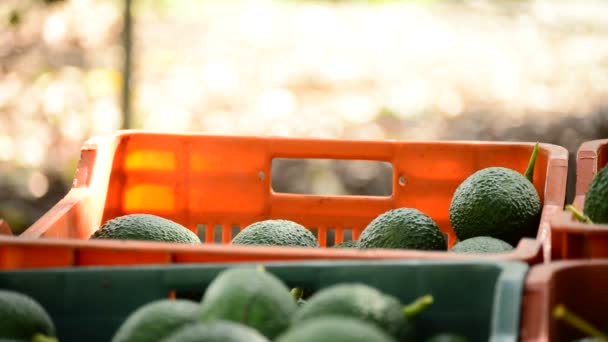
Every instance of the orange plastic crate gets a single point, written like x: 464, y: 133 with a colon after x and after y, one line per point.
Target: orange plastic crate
x: 573, y: 239
x: 226, y: 180
x: 580, y: 285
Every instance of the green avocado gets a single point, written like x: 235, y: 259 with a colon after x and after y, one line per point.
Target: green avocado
x: 497, y: 202
x: 157, y: 319
x: 481, y: 244
x: 145, y: 227
x: 596, y: 198
x: 364, y: 302
x: 405, y: 228
x: 335, y: 329
x: 251, y: 297
x: 22, y: 317
x: 276, y: 233
x: 216, y: 331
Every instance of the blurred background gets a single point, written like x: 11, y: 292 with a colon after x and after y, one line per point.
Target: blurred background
x: 413, y: 70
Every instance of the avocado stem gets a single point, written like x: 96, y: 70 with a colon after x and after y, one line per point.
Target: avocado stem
x: 530, y: 170
x: 297, y: 293
x: 43, y: 338
x: 417, y: 307
x: 578, y: 214
x: 560, y: 312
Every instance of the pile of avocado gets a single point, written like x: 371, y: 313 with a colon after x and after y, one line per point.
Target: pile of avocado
x: 245, y: 304
x: 490, y: 212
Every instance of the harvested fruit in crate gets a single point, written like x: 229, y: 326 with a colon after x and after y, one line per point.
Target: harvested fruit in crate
x: 216, y: 331
x: 479, y: 300
x: 347, y: 244
x: 481, y: 244
x: 497, y: 202
x: 490, y: 211
x: 145, y: 227
x: 335, y: 329
x: 156, y: 320
x: 406, y: 228
x: 403, y: 228
x: 276, y: 233
x: 366, y: 303
x: 259, y: 305
x: 253, y: 297
x: 24, y: 319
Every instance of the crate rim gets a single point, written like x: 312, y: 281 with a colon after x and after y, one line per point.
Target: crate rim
x: 555, y: 149
x: 503, y: 264
x: 528, y: 250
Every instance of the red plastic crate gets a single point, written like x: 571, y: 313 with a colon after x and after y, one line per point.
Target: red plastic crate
x: 226, y: 180
x: 572, y: 239
x: 580, y: 285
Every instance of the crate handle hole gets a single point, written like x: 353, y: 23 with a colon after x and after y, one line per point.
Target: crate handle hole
x: 326, y: 176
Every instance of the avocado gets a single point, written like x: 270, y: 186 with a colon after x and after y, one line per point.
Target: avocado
x: 366, y: 303
x: 405, y: 228
x: 22, y: 317
x: 347, y: 244
x: 145, y: 227
x: 596, y: 198
x: 157, y: 319
x: 481, y: 244
x: 215, y: 331
x: 276, y: 233
x: 497, y: 202
x: 252, y: 297
x: 447, y: 337
x: 335, y: 329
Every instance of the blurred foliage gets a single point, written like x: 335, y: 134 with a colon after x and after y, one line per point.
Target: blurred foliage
x: 59, y: 80
x: 17, y: 10
x: 416, y: 70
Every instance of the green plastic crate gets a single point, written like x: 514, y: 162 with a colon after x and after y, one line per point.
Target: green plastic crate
x: 481, y: 300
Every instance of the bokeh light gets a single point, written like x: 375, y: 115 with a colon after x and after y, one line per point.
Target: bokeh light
x: 416, y: 70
